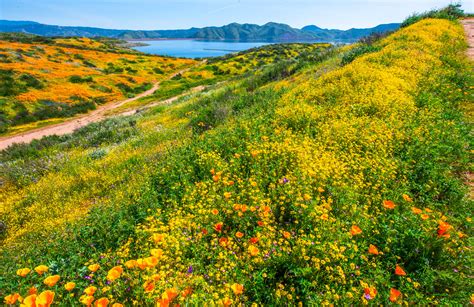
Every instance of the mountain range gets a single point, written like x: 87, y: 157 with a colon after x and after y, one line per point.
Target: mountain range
x: 239, y: 32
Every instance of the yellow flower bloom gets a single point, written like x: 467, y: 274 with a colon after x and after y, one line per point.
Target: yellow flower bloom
x: 115, y: 272
x: 41, y: 269
x: 93, y: 267
x: 69, y: 286
x: 90, y: 290
x: 51, y: 280
x: 23, y: 272
x: 45, y: 299
x: 102, y: 302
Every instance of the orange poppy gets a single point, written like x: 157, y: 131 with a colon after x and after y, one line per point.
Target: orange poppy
x: 218, y: 227
x: 389, y: 204
x: 30, y: 300
x: 226, y: 302
x: 237, y: 288
x: 443, y: 229
x: 394, y: 295
x: 223, y: 242
x: 41, y: 269
x: 32, y: 290
x: 158, y: 237
x: 23, y: 272
x: 149, y: 286
x: 150, y: 261
x: 253, y: 240
x: 115, y: 272
x: 51, y: 280
x: 130, y: 264
x: 102, y: 302
x: 45, y: 299
x: 399, y: 271
x: 215, y: 211
x: 69, y: 286
x: 253, y: 250
x: 90, y: 290
x: 239, y: 235
x: 87, y: 300
x: 227, y: 195
x: 370, y: 293
x: 93, y: 267
x: 260, y: 223
x: 215, y: 178
x: 11, y: 299
x: 373, y: 250
x: 425, y: 216
x: 416, y: 210
x: 355, y: 230
x: 407, y: 198
x: 286, y: 234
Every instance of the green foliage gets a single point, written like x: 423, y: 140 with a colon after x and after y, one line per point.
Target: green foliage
x: 79, y: 79
x: 451, y: 12
x: 358, y: 51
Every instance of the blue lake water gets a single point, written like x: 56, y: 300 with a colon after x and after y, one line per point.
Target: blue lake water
x: 194, y: 48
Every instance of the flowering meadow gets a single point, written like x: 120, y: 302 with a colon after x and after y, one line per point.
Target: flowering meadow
x: 70, y: 76
x: 340, y: 183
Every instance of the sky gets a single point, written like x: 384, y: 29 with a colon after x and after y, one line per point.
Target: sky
x: 183, y: 14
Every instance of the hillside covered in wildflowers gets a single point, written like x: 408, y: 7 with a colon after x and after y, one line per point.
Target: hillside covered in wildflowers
x: 336, y: 178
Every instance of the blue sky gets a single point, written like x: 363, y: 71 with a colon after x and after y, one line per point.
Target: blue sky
x: 177, y: 14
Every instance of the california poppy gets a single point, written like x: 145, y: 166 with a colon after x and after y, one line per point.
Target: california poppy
x: 407, y: 198
x: 93, y: 267
x: 373, y: 250
x: 399, y: 271
x: 237, y: 288
x: 239, y: 235
x: 11, y: 298
x: 23, y: 272
x: 115, y: 272
x: 215, y: 211
x: 90, y: 290
x: 389, y: 204
x: 41, y: 269
x: 286, y: 234
x: 51, y: 280
x: 218, y: 227
x: 394, y: 295
x: 253, y: 240
x: 355, y: 230
x: 149, y: 286
x: 443, y: 228
x: 223, y: 242
x: 416, y: 210
x: 69, y: 286
x: 102, y: 302
x: 253, y: 250
x: 45, y: 299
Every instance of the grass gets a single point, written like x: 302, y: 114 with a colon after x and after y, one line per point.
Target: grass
x: 311, y: 182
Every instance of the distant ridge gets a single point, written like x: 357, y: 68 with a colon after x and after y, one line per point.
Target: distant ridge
x: 240, y: 32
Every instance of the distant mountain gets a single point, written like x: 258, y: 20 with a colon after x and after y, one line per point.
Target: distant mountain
x: 242, y: 32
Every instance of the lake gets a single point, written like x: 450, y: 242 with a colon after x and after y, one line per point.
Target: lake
x: 186, y: 48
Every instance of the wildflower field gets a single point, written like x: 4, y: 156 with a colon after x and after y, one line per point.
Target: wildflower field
x: 337, y: 181
x: 61, y: 77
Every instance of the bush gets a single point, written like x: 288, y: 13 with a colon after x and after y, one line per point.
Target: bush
x: 357, y: 52
x: 451, y: 12
x: 79, y: 79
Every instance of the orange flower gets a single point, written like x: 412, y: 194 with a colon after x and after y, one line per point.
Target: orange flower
x: 227, y: 195
x: 239, y: 235
x: 149, y: 286
x: 150, y: 262
x: 355, y: 230
x: 51, y: 280
x: 218, y: 227
x: 215, y: 178
x: 425, y: 216
x: 45, y: 299
x: 11, y: 299
x: 286, y: 234
x: 115, y: 272
x: 23, y: 272
x: 93, y: 267
x: 102, y: 302
x: 69, y: 286
x: 30, y: 300
x: 237, y: 288
x: 41, y: 269
x: 157, y: 252
x: 253, y: 240
x: 142, y: 264
x: 373, y: 250
x: 158, y: 237
x: 226, y: 302
x: 86, y: 300
x: 407, y: 198
x: 186, y: 292
x: 32, y: 290
x: 117, y: 305
x: 399, y: 271
x: 215, y: 211
x: 223, y: 242
x: 324, y: 217
x: 443, y: 229
x: 130, y: 264
x: 415, y: 210
x: 389, y: 204
x: 253, y: 250
x: 370, y: 293
x: 90, y: 290
x: 260, y: 223
x: 394, y: 295
x: 168, y: 296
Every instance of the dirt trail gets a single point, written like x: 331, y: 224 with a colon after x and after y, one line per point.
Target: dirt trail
x: 469, y: 29
x: 85, y: 119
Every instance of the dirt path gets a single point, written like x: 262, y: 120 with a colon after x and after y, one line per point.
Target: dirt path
x: 85, y: 119
x: 469, y: 29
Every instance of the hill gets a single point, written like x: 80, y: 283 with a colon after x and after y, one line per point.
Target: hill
x: 46, y: 80
x: 330, y: 178
x: 244, y: 32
